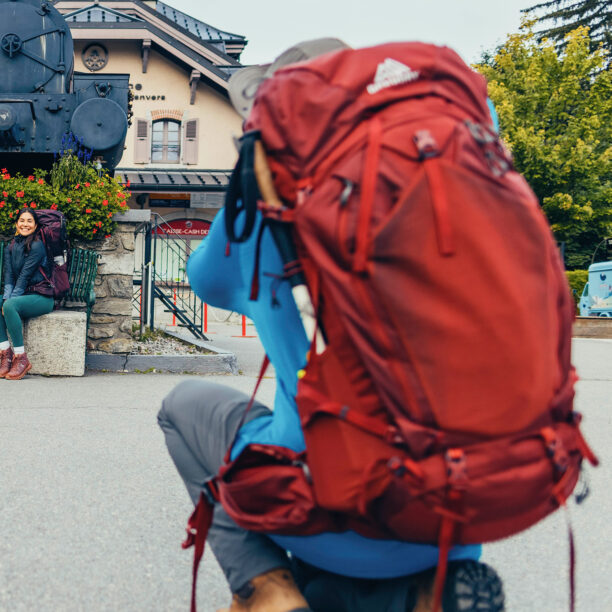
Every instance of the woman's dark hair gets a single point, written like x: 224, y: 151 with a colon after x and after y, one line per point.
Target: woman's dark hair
x: 34, y: 235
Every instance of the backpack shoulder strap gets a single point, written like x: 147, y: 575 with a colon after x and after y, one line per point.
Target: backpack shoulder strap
x: 243, y: 192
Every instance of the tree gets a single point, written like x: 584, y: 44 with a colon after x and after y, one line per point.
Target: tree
x: 567, y: 15
x: 555, y: 114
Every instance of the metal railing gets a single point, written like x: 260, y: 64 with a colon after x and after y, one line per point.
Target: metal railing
x: 163, y: 278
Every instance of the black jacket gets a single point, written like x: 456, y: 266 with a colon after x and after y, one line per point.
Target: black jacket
x: 21, y: 269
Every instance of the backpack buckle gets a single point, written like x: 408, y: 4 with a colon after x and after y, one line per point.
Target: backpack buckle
x: 555, y: 449
x: 480, y: 133
x: 426, y: 144
x: 456, y: 468
x: 211, y: 491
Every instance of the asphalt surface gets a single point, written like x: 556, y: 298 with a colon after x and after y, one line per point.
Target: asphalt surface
x: 92, y: 512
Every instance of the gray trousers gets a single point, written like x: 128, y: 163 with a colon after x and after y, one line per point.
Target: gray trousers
x: 199, y: 419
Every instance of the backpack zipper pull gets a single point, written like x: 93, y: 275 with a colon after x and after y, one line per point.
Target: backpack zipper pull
x: 346, y: 192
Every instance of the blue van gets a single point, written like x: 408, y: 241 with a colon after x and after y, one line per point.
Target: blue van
x: 596, y: 299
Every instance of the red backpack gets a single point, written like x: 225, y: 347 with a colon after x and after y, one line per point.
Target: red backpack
x: 440, y: 409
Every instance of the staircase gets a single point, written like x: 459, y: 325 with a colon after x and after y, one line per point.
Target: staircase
x: 164, y: 278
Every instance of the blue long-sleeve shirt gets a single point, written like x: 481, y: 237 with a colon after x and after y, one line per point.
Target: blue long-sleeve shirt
x: 225, y: 281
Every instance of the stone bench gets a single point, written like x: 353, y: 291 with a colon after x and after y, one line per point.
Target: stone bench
x: 55, y: 343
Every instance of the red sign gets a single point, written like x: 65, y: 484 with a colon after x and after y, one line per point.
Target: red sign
x: 185, y: 227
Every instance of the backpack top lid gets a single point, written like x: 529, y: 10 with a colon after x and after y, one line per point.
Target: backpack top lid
x: 304, y: 110
x: 53, y: 231
x: 47, y: 216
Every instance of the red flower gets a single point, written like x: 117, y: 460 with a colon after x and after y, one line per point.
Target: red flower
x: 19, y: 194
x: 6, y: 176
x: 68, y: 199
x: 77, y: 185
x: 30, y: 178
x: 104, y: 202
x: 107, y: 236
x: 41, y: 182
x: 95, y: 229
x: 128, y: 183
x: 5, y: 194
x: 120, y: 196
x: 87, y: 184
x: 4, y: 170
x: 109, y: 215
x: 122, y: 204
x: 54, y: 206
x: 99, y: 223
x: 88, y: 210
x: 11, y: 215
x: 32, y: 204
x: 2, y: 204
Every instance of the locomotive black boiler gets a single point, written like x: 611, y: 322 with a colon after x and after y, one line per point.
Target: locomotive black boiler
x: 42, y: 99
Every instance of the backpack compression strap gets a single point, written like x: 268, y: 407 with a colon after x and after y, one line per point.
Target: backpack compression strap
x: 243, y: 192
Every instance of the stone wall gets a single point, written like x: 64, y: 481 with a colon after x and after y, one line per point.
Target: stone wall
x: 110, y: 327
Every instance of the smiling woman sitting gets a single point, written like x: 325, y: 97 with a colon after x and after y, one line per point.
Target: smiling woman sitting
x: 25, y: 260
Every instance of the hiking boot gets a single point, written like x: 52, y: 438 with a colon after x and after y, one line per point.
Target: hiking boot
x: 6, y: 359
x: 470, y: 586
x: 21, y: 366
x: 274, y: 591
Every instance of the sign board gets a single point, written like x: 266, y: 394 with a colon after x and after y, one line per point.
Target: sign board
x: 207, y: 200
x: 169, y: 200
x: 187, y: 200
x: 193, y: 228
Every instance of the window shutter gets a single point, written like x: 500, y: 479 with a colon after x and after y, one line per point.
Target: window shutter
x: 190, y: 144
x: 142, y: 142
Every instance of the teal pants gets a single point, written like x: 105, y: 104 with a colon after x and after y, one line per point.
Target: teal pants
x: 15, y: 310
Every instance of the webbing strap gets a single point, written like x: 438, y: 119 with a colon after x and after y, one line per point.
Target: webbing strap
x: 445, y: 537
x: 444, y: 231
x: 197, y: 531
x: 572, y: 559
x: 264, y: 366
x: 558, y: 457
x: 370, y: 174
x: 572, y: 552
x: 242, y: 192
x: 372, y: 425
x: 254, y: 294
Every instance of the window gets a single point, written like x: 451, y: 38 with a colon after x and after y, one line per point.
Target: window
x: 166, y: 141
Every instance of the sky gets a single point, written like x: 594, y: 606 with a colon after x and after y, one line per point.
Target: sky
x: 271, y: 26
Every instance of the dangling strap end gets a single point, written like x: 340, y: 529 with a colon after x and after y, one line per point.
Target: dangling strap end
x: 197, y: 531
x: 444, y: 544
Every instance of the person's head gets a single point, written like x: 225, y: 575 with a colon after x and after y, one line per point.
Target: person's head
x: 27, y: 225
x: 244, y: 83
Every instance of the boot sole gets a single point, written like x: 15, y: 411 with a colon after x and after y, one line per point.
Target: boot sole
x: 28, y: 368
x: 473, y: 587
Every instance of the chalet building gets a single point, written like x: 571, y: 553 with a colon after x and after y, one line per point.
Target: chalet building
x: 179, y: 149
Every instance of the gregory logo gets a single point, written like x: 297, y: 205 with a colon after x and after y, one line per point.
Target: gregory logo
x: 391, y: 72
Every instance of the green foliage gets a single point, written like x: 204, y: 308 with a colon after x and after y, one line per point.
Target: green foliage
x: 555, y: 115
x: 89, y: 201
x: 577, y: 280
x: 563, y: 16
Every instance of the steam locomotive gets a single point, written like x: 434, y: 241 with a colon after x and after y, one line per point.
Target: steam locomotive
x: 42, y: 99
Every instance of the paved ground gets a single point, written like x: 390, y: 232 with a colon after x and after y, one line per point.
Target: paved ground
x: 92, y: 511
